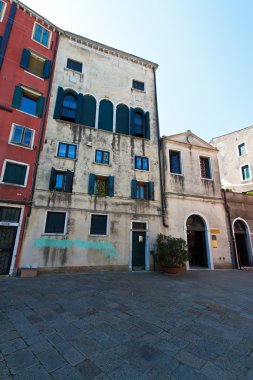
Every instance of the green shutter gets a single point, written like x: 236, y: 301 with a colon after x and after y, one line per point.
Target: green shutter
x: 111, y: 186
x: 58, y: 104
x: 122, y: 119
x: 69, y: 182
x: 25, y: 59
x: 133, y: 188
x: 132, y: 116
x: 79, y: 110
x: 40, y: 104
x: 1, y: 39
x: 147, y: 126
x: 151, y: 191
x: 17, y: 97
x: 89, y: 111
x: 91, y: 183
x: 105, y: 115
x: 46, y: 69
x: 52, y: 180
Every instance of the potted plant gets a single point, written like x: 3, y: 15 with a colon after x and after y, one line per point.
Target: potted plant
x: 171, y: 253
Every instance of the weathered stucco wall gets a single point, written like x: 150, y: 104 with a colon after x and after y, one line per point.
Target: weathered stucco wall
x: 110, y: 77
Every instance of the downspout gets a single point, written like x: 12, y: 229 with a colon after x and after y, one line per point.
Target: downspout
x: 232, y: 239
x: 43, y: 125
x: 163, y: 200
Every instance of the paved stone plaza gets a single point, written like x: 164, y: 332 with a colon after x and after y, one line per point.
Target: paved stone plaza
x: 198, y: 325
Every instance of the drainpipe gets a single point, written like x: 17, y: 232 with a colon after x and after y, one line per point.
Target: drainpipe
x: 163, y: 200
x: 232, y: 238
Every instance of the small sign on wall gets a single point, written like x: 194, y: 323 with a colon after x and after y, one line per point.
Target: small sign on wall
x: 214, y: 241
x: 215, y: 231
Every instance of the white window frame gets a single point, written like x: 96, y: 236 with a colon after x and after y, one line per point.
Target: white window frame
x: 181, y: 162
x: 68, y: 143
x: 101, y: 163
x: 107, y: 224
x: 250, y: 175
x: 75, y: 71
x: 65, y: 224
x: 49, y: 39
x: 246, y: 152
x: 18, y: 163
x: 137, y: 89
x: 20, y: 145
x: 210, y: 168
x: 4, y: 9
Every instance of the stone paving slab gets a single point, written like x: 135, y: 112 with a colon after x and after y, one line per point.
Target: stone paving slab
x: 104, y: 326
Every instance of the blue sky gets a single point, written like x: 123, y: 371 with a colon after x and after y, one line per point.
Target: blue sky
x: 203, y: 48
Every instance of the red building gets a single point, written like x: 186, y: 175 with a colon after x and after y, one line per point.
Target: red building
x: 28, y: 46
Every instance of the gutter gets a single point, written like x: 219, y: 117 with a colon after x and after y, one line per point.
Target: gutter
x: 234, y: 255
x: 163, y: 200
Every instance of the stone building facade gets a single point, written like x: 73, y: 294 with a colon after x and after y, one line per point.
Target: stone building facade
x: 97, y: 200
x: 194, y: 203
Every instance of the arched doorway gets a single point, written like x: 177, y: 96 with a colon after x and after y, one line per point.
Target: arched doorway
x: 196, y: 240
x: 242, y: 244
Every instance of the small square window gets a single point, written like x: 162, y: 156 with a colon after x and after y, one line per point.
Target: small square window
x: 41, y: 35
x: 2, y: 9
x: 21, y: 136
x: 98, y: 225
x: 61, y: 180
x: 138, y: 85
x: 242, y: 149
x: 175, y: 162
x: 74, y: 65
x: 15, y: 173
x: 66, y: 150
x: 102, y: 157
x: 205, y: 167
x: 245, y: 172
x: 141, y: 163
x: 55, y: 223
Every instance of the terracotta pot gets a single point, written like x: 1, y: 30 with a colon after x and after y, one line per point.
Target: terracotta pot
x: 173, y: 270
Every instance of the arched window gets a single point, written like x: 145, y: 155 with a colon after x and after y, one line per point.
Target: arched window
x: 69, y: 107
x: 105, y: 117
x: 122, y: 119
x: 139, y: 124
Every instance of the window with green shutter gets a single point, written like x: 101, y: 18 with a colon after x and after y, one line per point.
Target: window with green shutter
x: 61, y: 181
x: 35, y: 64
x: 101, y: 185
x: 55, y: 223
x: 28, y: 101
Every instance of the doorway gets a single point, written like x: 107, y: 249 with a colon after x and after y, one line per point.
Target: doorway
x: 242, y: 244
x: 196, y: 240
x: 7, y: 242
x: 139, y: 240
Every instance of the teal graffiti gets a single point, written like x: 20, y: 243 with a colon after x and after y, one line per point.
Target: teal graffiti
x: 107, y: 249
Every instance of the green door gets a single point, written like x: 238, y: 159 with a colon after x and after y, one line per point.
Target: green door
x: 138, y: 250
x: 7, y: 241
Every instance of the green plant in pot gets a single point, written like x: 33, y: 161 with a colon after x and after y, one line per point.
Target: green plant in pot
x: 171, y: 252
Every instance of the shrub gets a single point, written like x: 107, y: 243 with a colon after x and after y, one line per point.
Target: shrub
x: 171, y: 251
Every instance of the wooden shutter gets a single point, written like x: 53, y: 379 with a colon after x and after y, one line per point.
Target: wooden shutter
x: 122, y: 119
x: 79, y: 109
x: 46, y: 69
x: 105, y: 115
x: 132, y: 117
x: 25, y: 59
x: 40, y: 104
x: 69, y: 182
x: 89, y: 111
x: 111, y: 186
x: 52, y: 180
x: 91, y: 183
x: 58, y: 104
x: 151, y: 191
x: 16, y: 100
x: 147, y: 126
x: 133, y: 189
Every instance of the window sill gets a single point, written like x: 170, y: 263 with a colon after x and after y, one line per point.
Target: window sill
x: 136, y: 89
x: 53, y: 234
x: 66, y: 158
x: 101, y: 163
x: 177, y: 174
x: 12, y: 184
x: 21, y: 146
x: 142, y: 170
x: 45, y: 46
x: 98, y: 235
x: 34, y: 75
x: 26, y: 113
x: 207, y: 179
x: 74, y: 71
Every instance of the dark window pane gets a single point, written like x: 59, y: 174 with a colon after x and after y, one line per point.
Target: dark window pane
x: 145, y: 163
x: 55, y: 222
x: 138, y: 85
x: 242, y: 149
x: 106, y: 158
x: 77, y: 66
x: 69, y: 101
x: 17, y: 135
x: 245, y: 172
x: 175, y: 164
x: 139, y: 226
x: 9, y: 214
x: 15, y: 173
x: 62, y: 150
x: 102, y: 157
x: 98, y: 225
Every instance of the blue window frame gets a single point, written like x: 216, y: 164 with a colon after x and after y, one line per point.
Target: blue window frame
x: 102, y: 157
x: 141, y: 163
x: 245, y: 172
x: 22, y: 136
x: 41, y: 35
x: 66, y: 150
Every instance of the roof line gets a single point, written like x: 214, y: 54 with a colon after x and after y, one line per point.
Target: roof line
x: 230, y: 133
